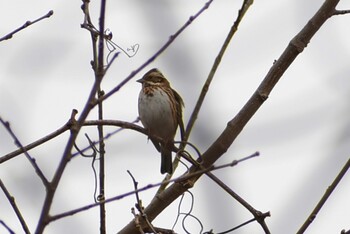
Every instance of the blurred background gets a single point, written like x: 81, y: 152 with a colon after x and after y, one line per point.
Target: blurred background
x: 302, y: 131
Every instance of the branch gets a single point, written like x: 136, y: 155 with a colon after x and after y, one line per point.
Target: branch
x: 147, y: 187
x: 244, y: 8
x: 35, y: 143
x: 236, y: 125
x: 139, y: 204
x: 99, y: 74
x: 341, y: 12
x: 30, y: 158
x: 324, y: 198
x: 66, y: 127
x: 77, y: 125
x: 161, y: 50
x: 25, y: 25
x: 11, y: 199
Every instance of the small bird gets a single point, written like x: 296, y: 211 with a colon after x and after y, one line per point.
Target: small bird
x: 160, y: 111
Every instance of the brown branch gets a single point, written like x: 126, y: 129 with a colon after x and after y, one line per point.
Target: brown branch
x: 139, y: 205
x: 236, y: 125
x: 67, y: 126
x: 25, y: 25
x: 99, y: 74
x: 35, y: 143
x: 147, y: 187
x: 244, y: 8
x: 324, y: 198
x: 341, y: 12
x: 12, y: 201
x: 30, y: 158
x: 151, y: 59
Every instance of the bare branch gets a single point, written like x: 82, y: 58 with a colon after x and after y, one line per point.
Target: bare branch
x: 25, y: 25
x: 180, y: 179
x: 244, y: 8
x: 236, y: 125
x: 161, y: 50
x: 12, y: 201
x: 139, y: 204
x: 30, y: 158
x: 7, y: 227
x: 67, y: 126
x: 324, y: 198
x: 35, y: 143
x: 341, y: 12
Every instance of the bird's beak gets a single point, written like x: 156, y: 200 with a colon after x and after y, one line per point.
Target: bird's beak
x: 140, y: 81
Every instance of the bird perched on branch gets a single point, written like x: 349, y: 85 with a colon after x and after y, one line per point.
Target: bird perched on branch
x: 160, y: 111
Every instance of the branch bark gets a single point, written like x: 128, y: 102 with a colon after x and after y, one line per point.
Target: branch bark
x: 236, y: 125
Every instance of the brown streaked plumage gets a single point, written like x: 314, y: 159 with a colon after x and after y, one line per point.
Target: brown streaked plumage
x: 160, y: 111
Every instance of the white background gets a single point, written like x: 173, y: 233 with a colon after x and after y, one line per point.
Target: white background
x: 302, y: 131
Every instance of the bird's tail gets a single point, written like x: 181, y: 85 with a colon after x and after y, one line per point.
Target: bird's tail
x: 166, y: 165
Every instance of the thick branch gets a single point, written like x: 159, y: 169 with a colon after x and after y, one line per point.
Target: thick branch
x: 236, y: 125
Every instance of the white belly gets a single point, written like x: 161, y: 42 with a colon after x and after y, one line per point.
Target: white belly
x: 156, y: 115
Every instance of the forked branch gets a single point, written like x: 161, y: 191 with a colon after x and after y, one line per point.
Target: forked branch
x: 236, y: 125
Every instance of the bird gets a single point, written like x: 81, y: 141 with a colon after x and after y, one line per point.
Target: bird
x: 160, y: 111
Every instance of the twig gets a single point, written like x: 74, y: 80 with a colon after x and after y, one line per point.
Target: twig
x: 324, y: 198
x: 122, y: 124
x: 147, y: 187
x: 35, y: 143
x: 244, y: 8
x: 11, y: 199
x: 139, y: 204
x: 25, y: 25
x: 30, y: 158
x: 151, y: 59
x: 245, y: 223
x: 76, y: 127
x: 341, y: 12
x: 258, y: 215
x: 7, y: 227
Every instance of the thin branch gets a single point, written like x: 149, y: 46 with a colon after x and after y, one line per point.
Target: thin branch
x: 151, y: 59
x: 25, y: 25
x: 139, y: 204
x: 67, y: 126
x: 7, y: 227
x: 30, y: 158
x: 258, y: 215
x: 99, y: 74
x: 244, y: 8
x: 76, y: 127
x: 180, y: 179
x: 245, y: 223
x: 36, y: 143
x: 12, y: 201
x: 324, y: 198
x: 341, y: 12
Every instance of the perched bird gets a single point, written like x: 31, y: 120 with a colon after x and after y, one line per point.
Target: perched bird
x: 160, y: 111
